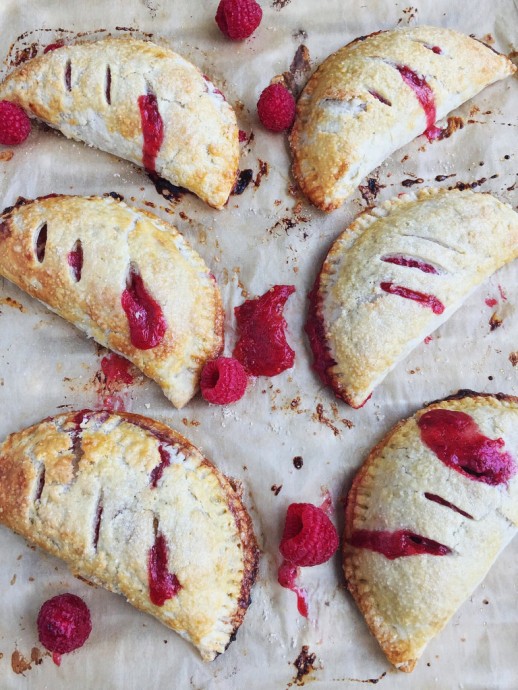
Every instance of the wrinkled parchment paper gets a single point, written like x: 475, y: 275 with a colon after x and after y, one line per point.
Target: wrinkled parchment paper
x: 266, y: 236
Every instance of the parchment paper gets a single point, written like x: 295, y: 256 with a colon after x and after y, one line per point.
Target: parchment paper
x: 264, y: 237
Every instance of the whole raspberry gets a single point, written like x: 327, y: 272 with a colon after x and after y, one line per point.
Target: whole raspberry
x: 15, y: 126
x: 238, y: 19
x: 64, y: 623
x: 276, y: 108
x: 223, y: 381
x: 309, y: 536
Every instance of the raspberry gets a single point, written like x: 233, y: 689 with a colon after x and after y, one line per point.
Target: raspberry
x: 276, y: 108
x: 238, y: 19
x: 15, y: 126
x: 64, y: 623
x: 223, y: 381
x: 309, y: 536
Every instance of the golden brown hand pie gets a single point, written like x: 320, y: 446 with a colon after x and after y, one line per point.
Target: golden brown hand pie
x: 375, y: 95
x: 124, y: 277
x: 395, y: 275
x: 139, y: 101
x: 131, y: 505
x: 427, y: 515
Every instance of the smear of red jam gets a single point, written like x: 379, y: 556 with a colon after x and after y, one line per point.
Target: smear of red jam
x: 428, y: 339
x: 47, y: 49
x: 425, y: 300
x: 491, y: 302
x: 145, y: 317
x: 287, y: 577
x: 243, y: 136
x: 426, y: 98
x: 75, y: 260
x: 456, y: 440
x: 163, y: 585
x: 262, y: 348
x: 443, y: 502
x: 116, y: 369
x: 397, y: 544
x: 158, y: 471
x: 437, y: 50
x: 152, y: 130
x: 411, y: 263
x: 314, y: 327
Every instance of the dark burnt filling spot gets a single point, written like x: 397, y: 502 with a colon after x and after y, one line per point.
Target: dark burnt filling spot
x: 68, y: 76
x: 165, y: 188
x: 108, y: 85
x: 114, y: 195
x: 5, y: 230
x: 41, y: 484
x: 97, y: 521
x: 243, y: 180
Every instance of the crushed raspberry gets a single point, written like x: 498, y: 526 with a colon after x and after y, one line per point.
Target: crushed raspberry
x: 223, y: 381
x: 15, y: 126
x: 276, y: 108
x: 309, y: 536
x: 238, y: 19
x: 262, y: 348
x: 64, y: 623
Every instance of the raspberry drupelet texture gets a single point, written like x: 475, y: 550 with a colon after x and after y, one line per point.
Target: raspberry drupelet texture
x: 309, y: 536
x: 238, y: 19
x: 276, y: 108
x: 15, y: 126
x: 64, y: 623
x: 223, y: 381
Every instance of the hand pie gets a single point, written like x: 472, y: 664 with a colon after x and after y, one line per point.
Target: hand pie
x: 427, y: 515
x: 139, y: 101
x: 375, y: 95
x: 395, y: 275
x: 131, y: 505
x: 125, y: 277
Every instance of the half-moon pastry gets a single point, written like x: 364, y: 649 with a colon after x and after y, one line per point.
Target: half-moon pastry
x: 395, y: 275
x: 427, y: 515
x: 131, y: 505
x: 124, y: 277
x: 139, y: 101
x: 375, y: 95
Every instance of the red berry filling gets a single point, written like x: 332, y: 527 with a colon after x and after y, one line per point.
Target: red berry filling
x: 262, y: 348
x: 116, y: 369
x: 158, y: 471
x: 443, y: 502
x: 426, y: 98
x: 397, y: 544
x: 276, y: 108
x: 152, y: 130
x: 411, y: 263
x: 425, y: 300
x: 322, y: 360
x: 75, y: 260
x: 238, y: 19
x: 309, y: 536
x: 287, y: 577
x: 456, y: 440
x: 146, y: 320
x: 64, y: 623
x: 163, y: 585
x: 223, y: 381
x: 15, y: 126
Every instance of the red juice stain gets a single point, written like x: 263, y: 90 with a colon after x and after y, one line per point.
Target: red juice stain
x: 145, y: 317
x: 410, y: 263
x: 56, y: 658
x: 163, y: 585
x: 425, y: 300
x: 152, y: 130
x: 502, y: 293
x: 75, y: 260
x: 491, y: 302
x: 456, y: 440
x: 426, y: 98
x: 116, y: 369
x: 158, y: 471
x: 243, y: 136
x: 428, y: 339
x: 397, y: 544
x: 287, y: 577
x: 314, y: 327
x: 262, y: 348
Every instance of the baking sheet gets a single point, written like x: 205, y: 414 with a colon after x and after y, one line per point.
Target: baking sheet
x: 266, y: 236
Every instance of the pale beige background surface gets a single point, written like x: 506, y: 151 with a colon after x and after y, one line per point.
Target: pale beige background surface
x: 252, y: 244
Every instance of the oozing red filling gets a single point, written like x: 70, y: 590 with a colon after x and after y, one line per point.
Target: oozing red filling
x: 262, y: 348
x: 314, y: 327
x: 425, y: 96
x: 158, y: 471
x: 116, y: 369
x: 145, y: 317
x: 426, y: 300
x: 163, y: 585
x: 411, y: 263
x: 75, y: 260
x: 397, y: 544
x: 456, y: 440
x: 152, y: 130
x: 287, y: 577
